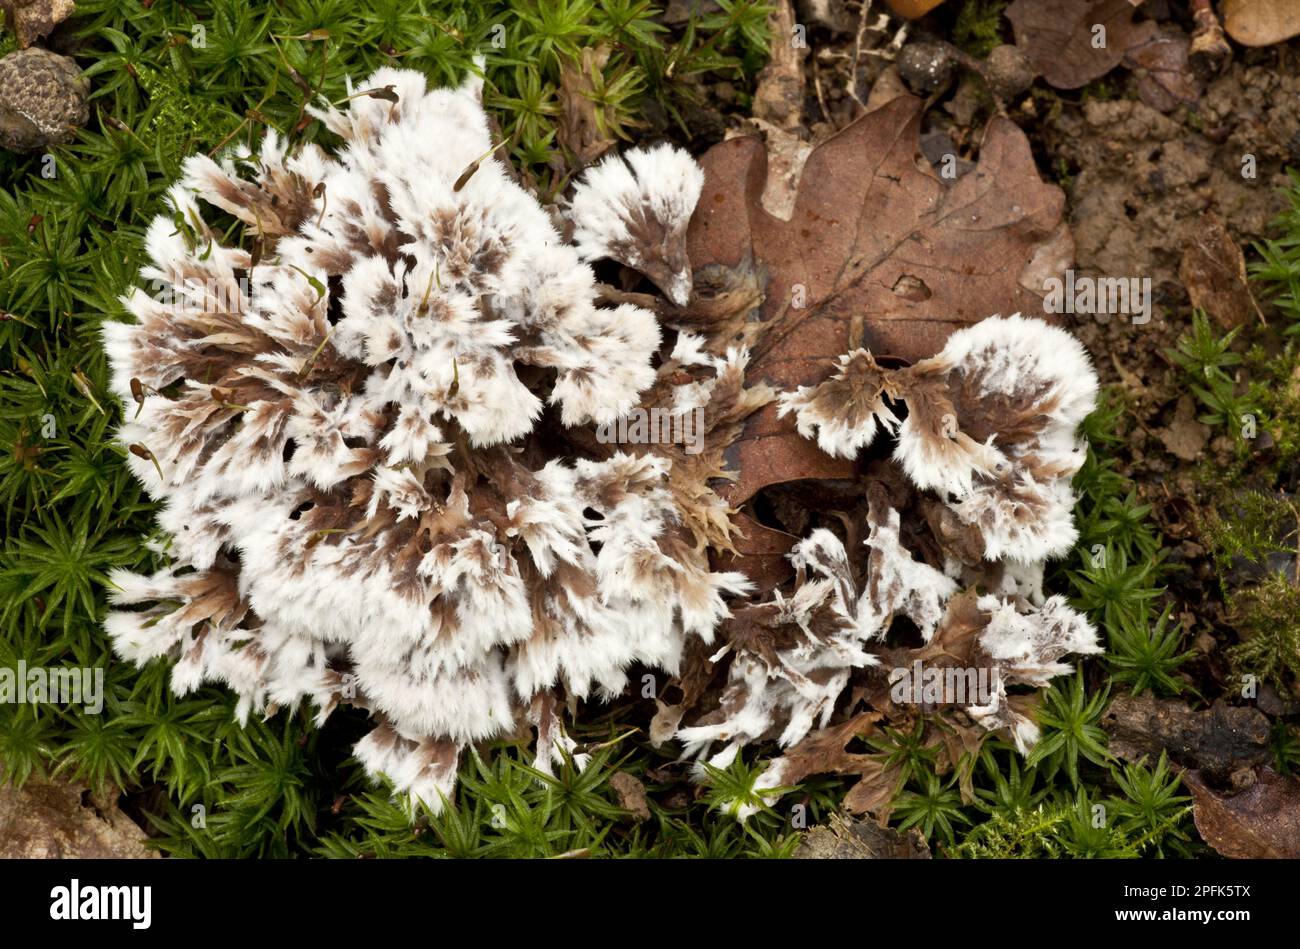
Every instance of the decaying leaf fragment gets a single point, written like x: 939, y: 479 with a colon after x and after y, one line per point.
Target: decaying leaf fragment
x: 1259, y: 823
x: 1213, y: 269
x: 879, y: 252
x: 1261, y: 22
x: 1160, y: 59
x: 1072, y: 42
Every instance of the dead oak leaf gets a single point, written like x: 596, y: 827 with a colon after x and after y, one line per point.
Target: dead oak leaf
x: 583, y: 129
x: 826, y: 752
x: 760, y: 553
x: 878, y: 251
x: 1213, y: 269
x: 1070, y: 42
x: 1261, y: 22
x: 1261, y: 822
x: 1160, y: 59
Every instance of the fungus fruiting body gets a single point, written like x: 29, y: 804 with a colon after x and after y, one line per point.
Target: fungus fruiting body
x: 377, y: 427
x: 985, y: 439
x: 355, y: 425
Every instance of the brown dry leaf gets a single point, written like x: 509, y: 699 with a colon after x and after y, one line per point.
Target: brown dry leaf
x: 1184, y: 436
x: 1214, y: 271
x: 1058, y: 36
x: 879, y: 251
x: 760, y: 553
x: 631, y: 795
x: 959, y: 745
x: 843, y: 839
x: 31, y: 20
x: 825, y: 752
x: 578, y: 130
x: 58, y: 820
x: 1225, y: 742
x: 1261, y: 22
x: 1259, y: 823
x: 1159, y: 60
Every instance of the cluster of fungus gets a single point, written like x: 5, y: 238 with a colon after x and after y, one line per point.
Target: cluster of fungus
x: 984, y: 458
x: 373, y: 429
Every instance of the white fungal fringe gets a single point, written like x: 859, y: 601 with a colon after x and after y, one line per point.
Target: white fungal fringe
x: 339, y: 428
x: 989, y: 435
x: 635, y: 209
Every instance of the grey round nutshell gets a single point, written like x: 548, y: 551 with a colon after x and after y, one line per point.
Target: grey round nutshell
x: 1008, y: 71
x: 42, y: 100
x: 925, y: 67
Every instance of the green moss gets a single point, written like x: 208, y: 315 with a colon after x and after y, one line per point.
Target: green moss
x: 1021, y: 834
x: 1248, y: 525
x: 1267, y: 618
x: 1101, y: 90
x: 978, y: 27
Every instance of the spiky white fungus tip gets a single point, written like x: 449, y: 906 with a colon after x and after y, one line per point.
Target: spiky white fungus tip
x: 635, y: 209
x: 990, y: 427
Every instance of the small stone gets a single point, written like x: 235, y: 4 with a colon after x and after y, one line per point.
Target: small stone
x: 32, y: 20
x: 43, y: 100
x: 925, y: 67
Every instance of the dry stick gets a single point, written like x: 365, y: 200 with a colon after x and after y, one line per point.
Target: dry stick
x: 821, y: 98
x: 857, y: 52
x: 608, y: 294
x: 301, y: 83
x: 1209, y: 49
x: 256, y: 110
